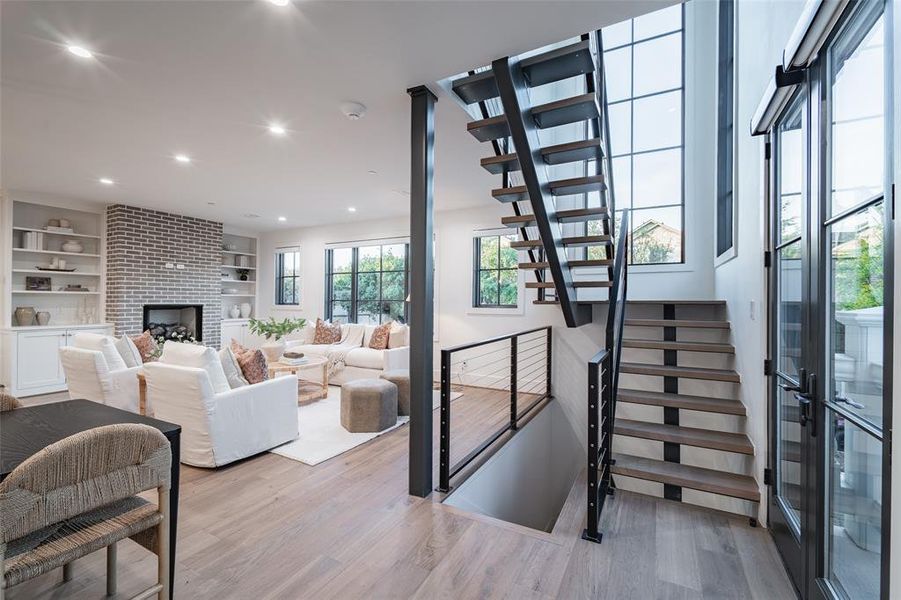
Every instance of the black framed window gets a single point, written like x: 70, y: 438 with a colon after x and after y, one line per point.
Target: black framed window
x: 367, y: 284
x: 287, y: 276
x: 643, y: 62
x: 725, y: 142
x: 495, y: 272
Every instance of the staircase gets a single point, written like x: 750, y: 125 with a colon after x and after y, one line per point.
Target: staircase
x: 561, y: 195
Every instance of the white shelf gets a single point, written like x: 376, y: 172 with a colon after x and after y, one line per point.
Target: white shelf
x: 55, y: 252
x: 81, y: 235
x: 56, y: 273
x: 235, y: 253
x: 237, y: 281
x: 51, y: 292
x: 237, y: 267
x: 56, y: 326
x: 238, y: 295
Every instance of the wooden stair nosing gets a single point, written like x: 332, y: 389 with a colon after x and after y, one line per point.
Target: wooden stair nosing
x: 573, y: 242
x: 726, y: 375
x: 720, y: 348
x: 552, y: 114
x: 574, y: 264
x: 677, y: 323
x: 683, y: 401
x: 687, y: 476
x: 560, y: 187
x: 576, y: 215
x: 576, y: 284
x: 686, y: 436
x: 582, y: 150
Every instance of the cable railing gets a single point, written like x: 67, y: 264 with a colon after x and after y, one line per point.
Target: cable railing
x: 498, y: 382
x: 603, y: 383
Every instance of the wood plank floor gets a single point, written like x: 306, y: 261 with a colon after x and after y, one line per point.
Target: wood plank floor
x: 271, y: 527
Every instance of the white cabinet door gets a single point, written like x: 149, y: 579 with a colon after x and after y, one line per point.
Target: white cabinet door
x: 232, y: 331
x: 37, y: 359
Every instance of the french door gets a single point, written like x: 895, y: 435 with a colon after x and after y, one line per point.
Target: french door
x: 830, y: 317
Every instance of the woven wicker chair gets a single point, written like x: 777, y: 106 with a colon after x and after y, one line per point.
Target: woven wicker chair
x: 8, y: 401
x: 79, y: 495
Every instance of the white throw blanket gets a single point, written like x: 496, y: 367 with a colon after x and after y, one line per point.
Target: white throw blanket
x: 336, y: 358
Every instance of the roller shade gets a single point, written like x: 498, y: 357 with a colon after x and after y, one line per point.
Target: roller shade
x: 775, y: 98
x: 813, y: 28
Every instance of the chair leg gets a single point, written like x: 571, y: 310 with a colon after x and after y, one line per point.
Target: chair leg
x: 111, y: 581
x: 67, y: 571
x: 163, y: 545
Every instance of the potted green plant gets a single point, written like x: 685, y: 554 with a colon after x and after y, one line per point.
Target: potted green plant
x: 274, y: 331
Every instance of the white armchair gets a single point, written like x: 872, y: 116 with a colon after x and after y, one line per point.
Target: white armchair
x: 89, y: 377
x: 219, y: 428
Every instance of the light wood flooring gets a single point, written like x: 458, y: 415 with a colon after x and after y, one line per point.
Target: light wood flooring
x: 271, y: 527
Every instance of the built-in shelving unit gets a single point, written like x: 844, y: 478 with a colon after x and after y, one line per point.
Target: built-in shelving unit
x: 239, y: 254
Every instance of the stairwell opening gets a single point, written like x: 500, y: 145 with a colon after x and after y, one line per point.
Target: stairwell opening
x: 528, y: 480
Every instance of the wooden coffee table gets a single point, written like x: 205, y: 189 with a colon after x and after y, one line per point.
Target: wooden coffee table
x: 306, y: 389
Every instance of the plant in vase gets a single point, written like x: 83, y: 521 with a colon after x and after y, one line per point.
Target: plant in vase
x: 274, y: 331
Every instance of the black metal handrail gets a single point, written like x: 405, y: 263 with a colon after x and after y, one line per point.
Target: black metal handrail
x: 510, y: 361
x: 603, y: 383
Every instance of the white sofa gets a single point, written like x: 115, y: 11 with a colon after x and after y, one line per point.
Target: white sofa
x: 219, y: 424
x: 352, y: 357
x: 96, y: 371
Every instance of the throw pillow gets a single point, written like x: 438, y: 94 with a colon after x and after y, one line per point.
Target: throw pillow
x: 232, y: 369
x: 129, y: 352
x: 398, y: 337
x: 146, y: 345
x: 379, y: 339
x: 253, y: 366
x: 104, y: 344
x: 327, y: 333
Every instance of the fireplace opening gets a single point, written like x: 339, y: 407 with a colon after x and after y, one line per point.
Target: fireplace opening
x: 174, y: 321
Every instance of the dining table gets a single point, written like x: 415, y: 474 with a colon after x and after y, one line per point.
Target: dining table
x: 27, y: 430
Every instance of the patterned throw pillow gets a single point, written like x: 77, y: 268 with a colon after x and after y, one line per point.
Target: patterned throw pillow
x: 252, y: 362
x: 379, y: 339
x: 327, y: 333
x: 146, y: 346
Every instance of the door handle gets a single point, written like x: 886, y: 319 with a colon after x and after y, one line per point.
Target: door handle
x: 806, y: 401
x: 802, y: 383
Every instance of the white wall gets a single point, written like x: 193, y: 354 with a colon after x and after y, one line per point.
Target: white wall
x: 763, y: 28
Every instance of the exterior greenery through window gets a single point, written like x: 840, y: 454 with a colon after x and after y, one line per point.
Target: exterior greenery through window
x: 367, y: 284
x: 495, y: 272
x: 287, y: 276
x: 643, y: 58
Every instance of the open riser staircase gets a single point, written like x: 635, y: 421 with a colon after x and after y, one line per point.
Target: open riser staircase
x: 662, y: 391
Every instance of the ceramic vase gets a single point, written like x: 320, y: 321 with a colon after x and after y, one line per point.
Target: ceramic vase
x: 73, y: 246
x: 234, y: 312
x: 246, y: 309
x: 43, y: 317
x: 273, y: 350
x: 24, y: 316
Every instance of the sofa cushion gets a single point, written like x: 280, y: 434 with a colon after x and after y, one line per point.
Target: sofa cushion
x: 129, y: 352
x: 352, y: 334
x: 309, y: 349
x: 198, y: 357
x: 379, y: 339
x: 327, y: 333
x: 399, y: 335
x: 365, y: 358
x: 146, y: 345
x: 232, y: 369
x: 104, y: 344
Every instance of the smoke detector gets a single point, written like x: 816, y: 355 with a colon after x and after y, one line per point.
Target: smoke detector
x: 353, y: 110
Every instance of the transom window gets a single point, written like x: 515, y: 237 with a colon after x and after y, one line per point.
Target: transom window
x: 643, y: 58
x: 287, y: 276
x: 367, y: 284
x: 495, y: 272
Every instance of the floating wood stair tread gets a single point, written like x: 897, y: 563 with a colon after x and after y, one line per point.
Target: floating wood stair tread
x: 695, y: 478
x: 688, y: 436
x: 574, y: 264
x: 582, y: 150
x: 682, y: 372
x: 547, y: 67
x: 573, y: 242
x: 562, y: 187
x: 578, y: 215
x: 677, y: 345
x: 677, y: 323
x: 684, y: 401
x: 552, y: 114
x: 576, y: 284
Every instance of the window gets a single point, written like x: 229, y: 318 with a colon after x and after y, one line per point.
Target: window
x: 367, y: 284
x: 287, y: 276
x: 495, y: 272
x: 643, y: 59
x: 725, y: 224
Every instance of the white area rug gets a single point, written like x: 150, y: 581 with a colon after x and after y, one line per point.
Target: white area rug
x: 321, y: 434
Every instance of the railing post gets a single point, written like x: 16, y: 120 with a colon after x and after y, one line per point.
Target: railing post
x: 591, y: 532
x: 444, y: 427
x: 550, y: 363
x: 514, y: 411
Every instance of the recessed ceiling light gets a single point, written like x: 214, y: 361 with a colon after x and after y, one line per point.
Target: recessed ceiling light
x: 353, y: 110
x: 280, y: 2
x: 106, y: 181
x: 276, y: 129
x: 351, y: 209
x: 283, y: 219
x: 80, y: 51
x: 211, y: 203
x: 372, y: 172
x: 183, y: 158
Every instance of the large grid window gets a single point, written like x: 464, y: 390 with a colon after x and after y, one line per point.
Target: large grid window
x: 725, y: 216
x: 495, y: 272
x: 367, y: 284
x: 643, y: 58
x: 287, y: 276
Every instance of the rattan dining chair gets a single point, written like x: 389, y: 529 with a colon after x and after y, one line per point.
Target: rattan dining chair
x: 79, y: 495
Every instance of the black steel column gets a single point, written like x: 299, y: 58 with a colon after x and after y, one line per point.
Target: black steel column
x: 422, y: 192
x: 671, y: 451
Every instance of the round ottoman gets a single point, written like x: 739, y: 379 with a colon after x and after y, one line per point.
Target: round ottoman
x: 400, y: 378
x: 368, y: 405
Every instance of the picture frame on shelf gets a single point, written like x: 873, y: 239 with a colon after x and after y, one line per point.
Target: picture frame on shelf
x: 37, y: 284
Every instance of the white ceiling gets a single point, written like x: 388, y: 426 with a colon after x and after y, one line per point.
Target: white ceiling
x: 206, y: 77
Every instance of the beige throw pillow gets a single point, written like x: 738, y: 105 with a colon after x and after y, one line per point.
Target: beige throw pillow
x: 327, y: 333
x: 379, y: 339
